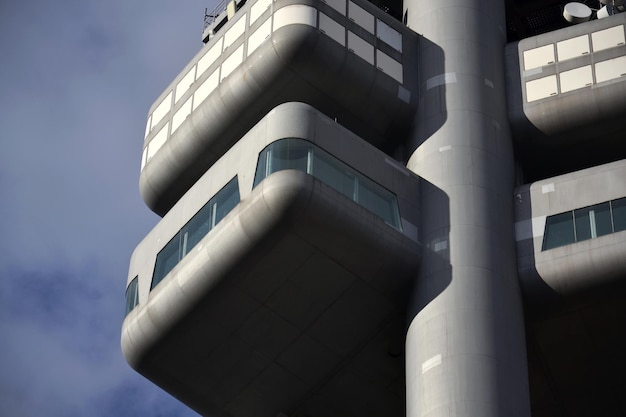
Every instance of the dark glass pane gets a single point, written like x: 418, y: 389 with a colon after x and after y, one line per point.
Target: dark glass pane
x: 379, y: 201
x: 619, y: 214
x: 166, y: 260
x: 559, y: 231
x: 288, y: 154
x: 593, y: 221
x: 132, y: 296
x: 300, y: 154
x: 333, y: 173
x: 196, y: 229
x: 226, y: 200
x: 261, y: 167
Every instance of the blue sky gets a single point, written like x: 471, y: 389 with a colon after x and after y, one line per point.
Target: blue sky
x: 77, y: 79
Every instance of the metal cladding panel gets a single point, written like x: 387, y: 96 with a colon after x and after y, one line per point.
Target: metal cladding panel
x: 557, y: 93
x: 297, y: 62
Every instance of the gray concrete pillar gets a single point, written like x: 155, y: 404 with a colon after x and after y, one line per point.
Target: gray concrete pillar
x: 465, y: 348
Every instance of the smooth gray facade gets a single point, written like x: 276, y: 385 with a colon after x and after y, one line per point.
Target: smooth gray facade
x: 367, y: 217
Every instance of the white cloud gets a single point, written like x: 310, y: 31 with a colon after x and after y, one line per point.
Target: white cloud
x: 78, y: 79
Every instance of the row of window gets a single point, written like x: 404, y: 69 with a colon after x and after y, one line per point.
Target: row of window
x: 293, y: 14
x: 195, y: 229
x: 576, y: 78
x: 303, y: 156
x: 574, y: 47
x: 585, y: 223
x: 560, y: 230
x: 281, y: 155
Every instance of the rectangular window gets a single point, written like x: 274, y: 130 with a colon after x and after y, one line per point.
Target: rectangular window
x: 389, y: 66
x: 231, y: 63
x: 332, y: 29
x: 619, y: 214
x: 259, y: 36
x: 185, y: 83
x: 132, y: 296
x: 195, y: 229
x: 361, y: 47
x: 258, y: 9
x: 387, y: 34
x: 585, y: 223
x: 378, y: 200
x: 541, y: 88
x: 181, y: 115
x: 333, y: 173
x: 206, y: 88
x: 162, y: 109
x: 157, y: 142
x: 573, y: 48
x: 538, y: 57
x: 592, y: 222
x: 361, y: 17
x: 293, y: 155
x: 303, y: 156
x: 210, y: 57
x: 225, y: 201
x: 576, y: 78
x: 559, y: 231
x: 234, y: 32
x: 166, y: 260
x: 608, y: 38
x: 610, y: 69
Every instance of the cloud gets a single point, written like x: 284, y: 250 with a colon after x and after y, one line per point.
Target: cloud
x: 78, y: 80
x: 62, y: 355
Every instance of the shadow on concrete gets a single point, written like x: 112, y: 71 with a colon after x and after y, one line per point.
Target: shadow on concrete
x: 435, y: 271
x: 431, y: 108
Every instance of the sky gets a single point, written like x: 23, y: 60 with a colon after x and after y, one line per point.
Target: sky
x: 77, y: 78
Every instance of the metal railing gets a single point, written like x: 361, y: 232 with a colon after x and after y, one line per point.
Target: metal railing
x: 209, y: 17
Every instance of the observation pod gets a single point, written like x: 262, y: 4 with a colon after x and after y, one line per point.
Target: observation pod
x: 293, y: 295
x: 571, y: 232
x: 566, y: 93
x: 348, y: 59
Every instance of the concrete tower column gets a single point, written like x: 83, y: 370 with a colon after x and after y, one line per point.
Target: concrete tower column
x: 465, y: 348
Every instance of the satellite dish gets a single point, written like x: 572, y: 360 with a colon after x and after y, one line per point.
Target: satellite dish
x: 606, y: 11
x: 576, y: 12
x: 613, y: 2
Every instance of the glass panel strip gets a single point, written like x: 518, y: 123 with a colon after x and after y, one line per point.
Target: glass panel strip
x: 195, y: 229
x: 303, y: 156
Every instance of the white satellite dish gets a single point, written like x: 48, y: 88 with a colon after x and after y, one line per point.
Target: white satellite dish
x: 606, y: 11
x: 576, y: 12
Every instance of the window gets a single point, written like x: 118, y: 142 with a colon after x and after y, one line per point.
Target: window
x: 538, y: 57
x: 195, y: 229
x: 303, y: 156
x: 388, y: 35
x: 593, y: 221
x: 585, y: 223
x: 559, y: 231
x: 132, y: 296
x: 166, y: 260
x: 541, y: 88
x: 619, y: 214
